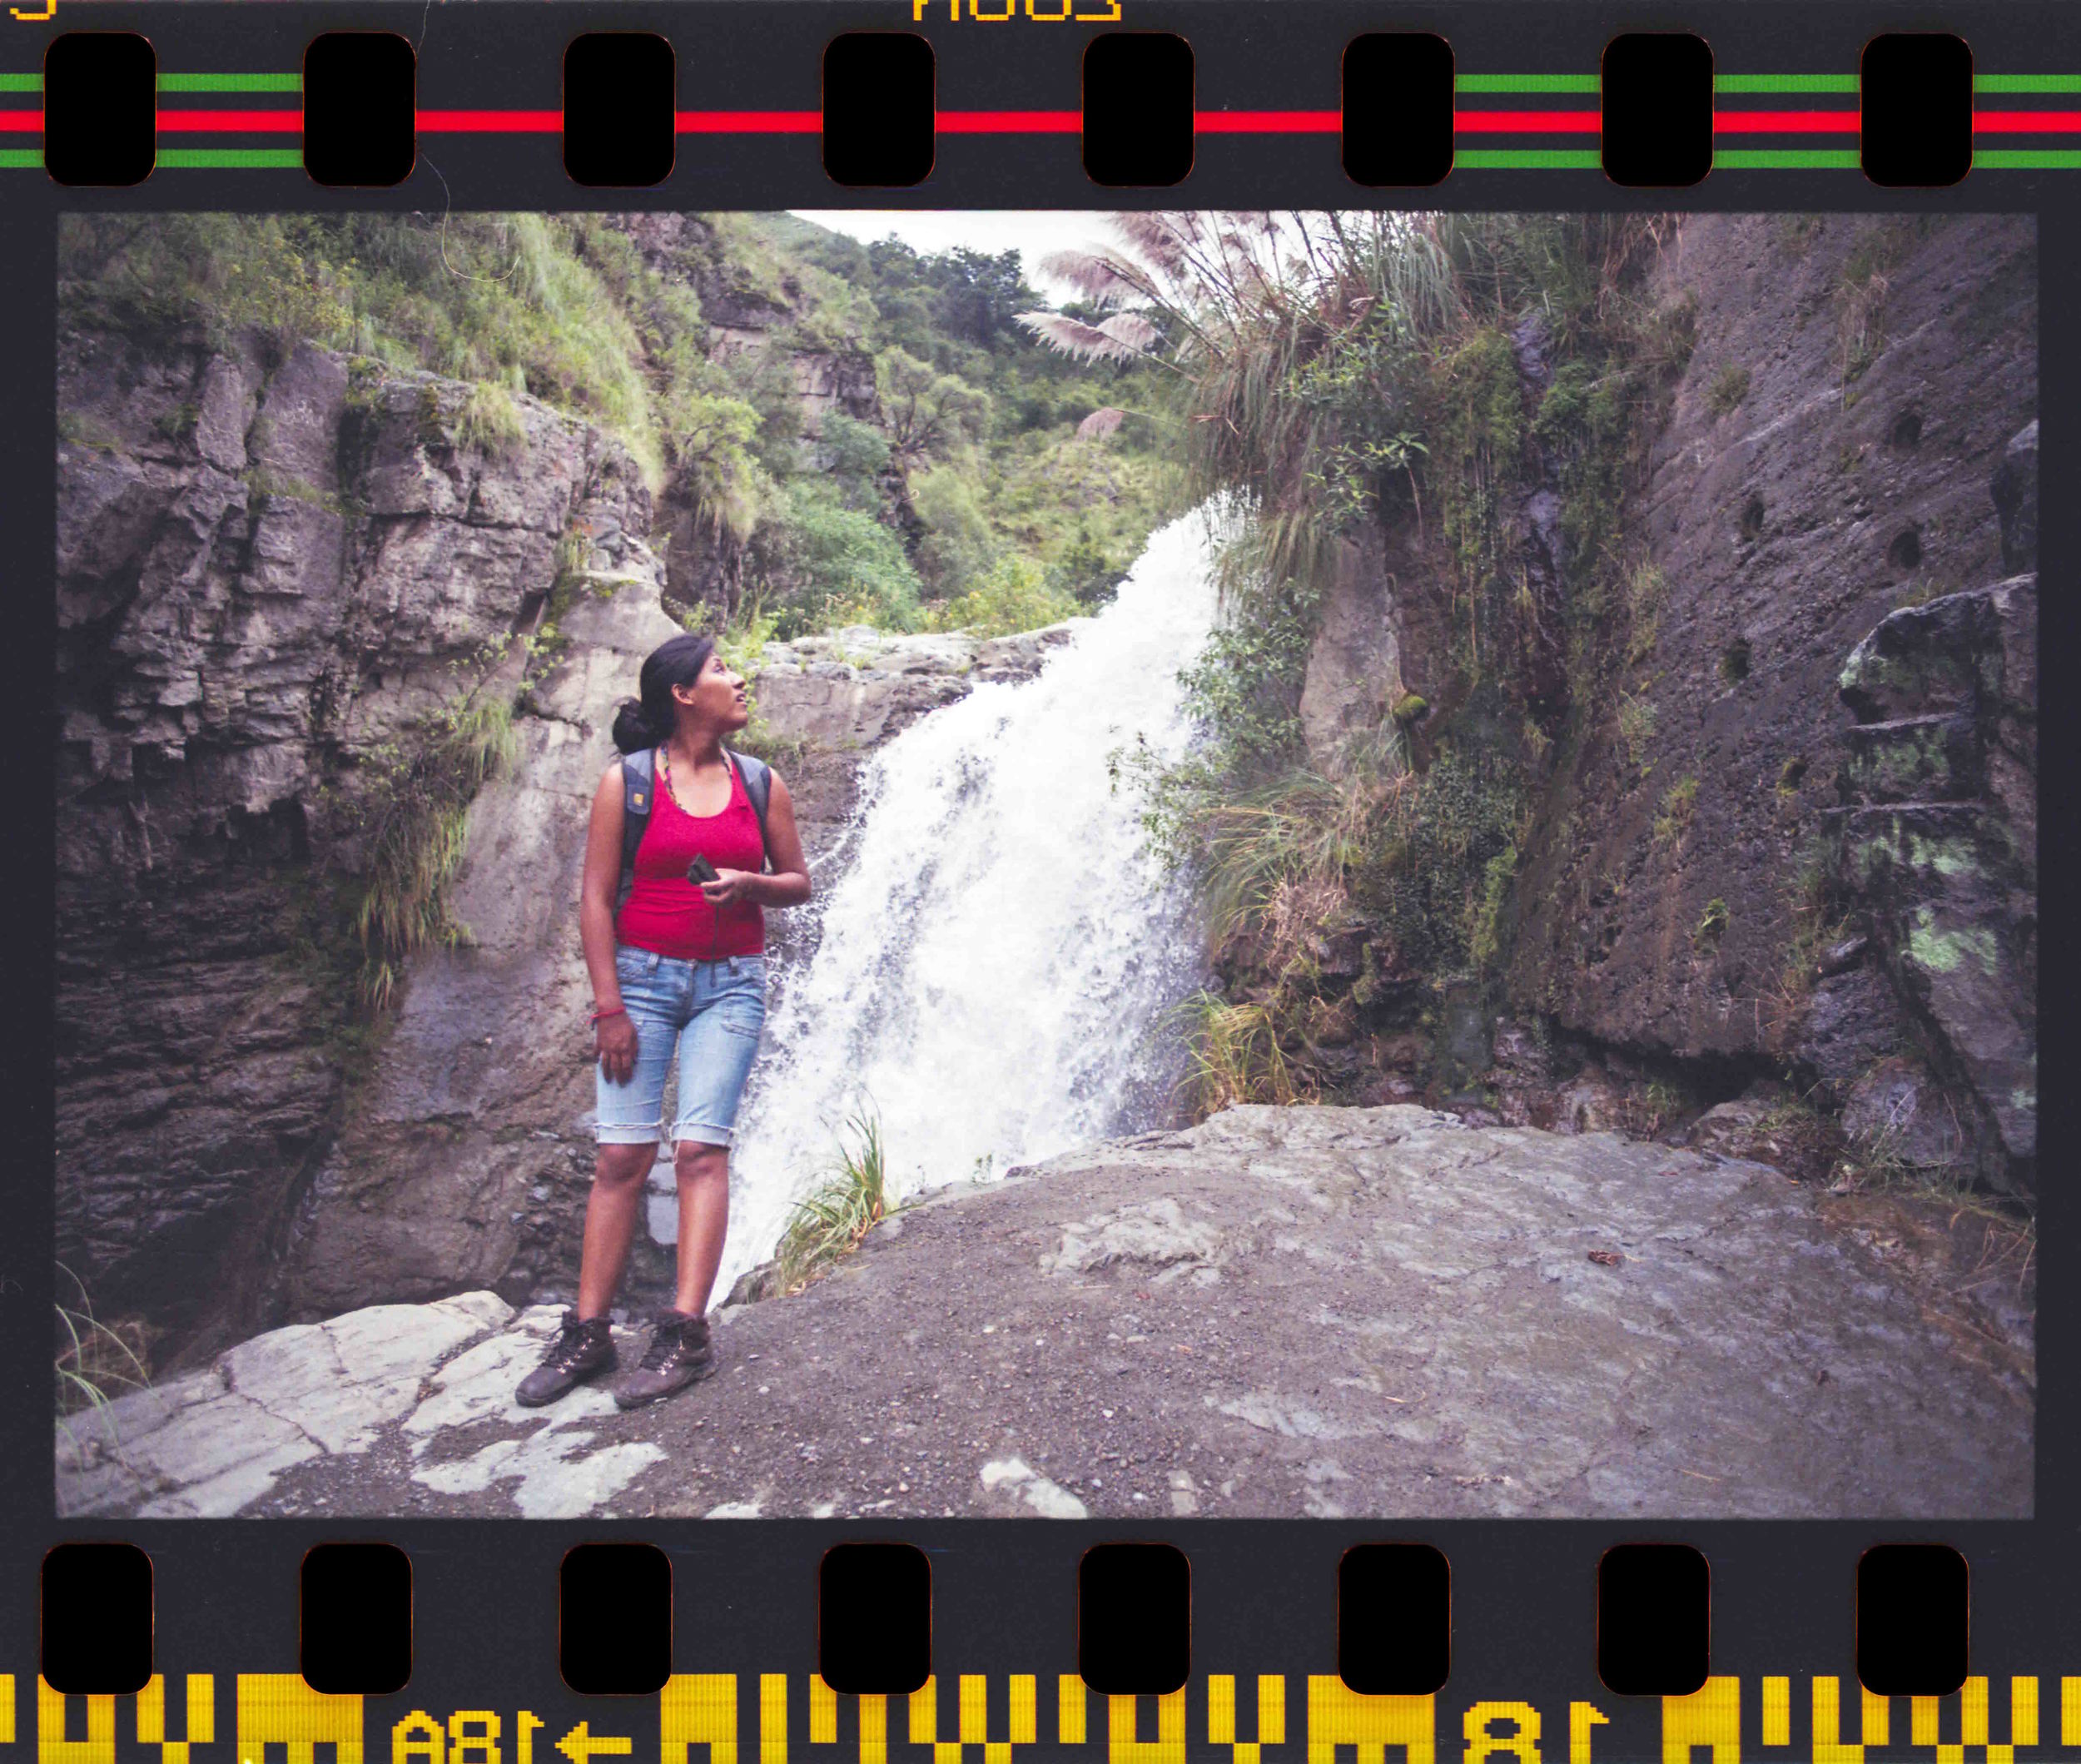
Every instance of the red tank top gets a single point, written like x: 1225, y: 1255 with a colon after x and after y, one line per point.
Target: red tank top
x: 667, y: 913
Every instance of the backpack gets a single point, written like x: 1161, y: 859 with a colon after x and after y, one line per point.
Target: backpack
x: 639, y: 782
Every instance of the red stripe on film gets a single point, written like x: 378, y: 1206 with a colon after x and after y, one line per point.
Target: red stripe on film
x: 1784, y: 123
x: 21, y: 121
x: 1525, y: 123
x: 2026, y: 122
x: 1268, y: 121
x: 1009, y: 123
x: 490, y: 121
x: 230, y: 121
x: 750, y: 122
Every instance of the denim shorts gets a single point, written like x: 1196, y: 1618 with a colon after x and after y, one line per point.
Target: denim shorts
x: 709, y: 1011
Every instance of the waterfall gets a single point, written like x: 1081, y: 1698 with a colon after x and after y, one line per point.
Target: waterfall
x: 995, y: 963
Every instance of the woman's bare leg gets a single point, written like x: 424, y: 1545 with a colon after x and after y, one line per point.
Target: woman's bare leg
x: 611, y: 1212
x: 703, y: 1172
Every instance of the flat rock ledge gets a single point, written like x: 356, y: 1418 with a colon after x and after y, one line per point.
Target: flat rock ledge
x: 1280, y: 1312
x: 856, y: 686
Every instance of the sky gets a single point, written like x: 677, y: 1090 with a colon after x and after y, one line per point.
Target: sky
x: 1032, y: 232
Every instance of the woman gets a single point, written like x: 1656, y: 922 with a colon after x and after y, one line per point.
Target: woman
x: 678, y: 962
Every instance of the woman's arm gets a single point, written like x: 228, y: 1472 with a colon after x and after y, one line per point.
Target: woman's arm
x: 787, y: 885
x: 614, y: 1039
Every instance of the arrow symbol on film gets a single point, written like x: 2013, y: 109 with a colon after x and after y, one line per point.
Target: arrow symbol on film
x: 578, y: 1745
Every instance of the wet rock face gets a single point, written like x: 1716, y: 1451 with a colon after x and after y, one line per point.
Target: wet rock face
x: 1937, y: 848
x: 267, y: 574
x: 1354, y: 669
x: 1853, y: 476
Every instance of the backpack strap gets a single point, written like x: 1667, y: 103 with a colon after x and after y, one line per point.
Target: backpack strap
x: 639, y: 783
x: 758, y: 787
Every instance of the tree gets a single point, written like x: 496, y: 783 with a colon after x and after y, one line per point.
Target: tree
x: 928, y: 413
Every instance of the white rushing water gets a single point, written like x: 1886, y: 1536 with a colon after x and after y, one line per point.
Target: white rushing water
x: 996, y: 960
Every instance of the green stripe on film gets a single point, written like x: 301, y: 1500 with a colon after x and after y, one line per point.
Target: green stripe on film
x: 1784, y: 159
x: 234, y: 158
x: 2026, y: 159
x: 21, y: 82
x: 2027, y: 82
x: 1525, y: 83
x: 1539, y: 159
x: 19, y: 157
x: 1784, y: 82
x: 231, y: 82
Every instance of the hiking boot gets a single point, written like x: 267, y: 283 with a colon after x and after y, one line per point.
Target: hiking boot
x: 580, y: 1351
x: 679, y: 1353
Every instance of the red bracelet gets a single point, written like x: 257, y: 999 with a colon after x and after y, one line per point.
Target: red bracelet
x: 618, y: 1011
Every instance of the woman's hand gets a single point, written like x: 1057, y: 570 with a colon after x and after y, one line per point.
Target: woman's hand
x: 728, y: 887
x: 614, y: 1046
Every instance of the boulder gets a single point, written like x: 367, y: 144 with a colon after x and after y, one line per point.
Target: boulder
x: 1897, y: 1114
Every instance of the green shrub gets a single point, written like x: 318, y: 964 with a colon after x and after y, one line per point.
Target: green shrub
x: 1729, y: 387
x: 491, y: 423
x: 847, y: 568
x: 855, y: 454
x: 959, y: 544
x: 1013, y: 594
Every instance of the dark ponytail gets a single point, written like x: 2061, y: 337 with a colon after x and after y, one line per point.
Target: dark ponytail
x: 648, y: 721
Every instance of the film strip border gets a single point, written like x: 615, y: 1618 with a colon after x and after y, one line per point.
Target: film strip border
x: 1502, y: 121
x: 729, y: 1714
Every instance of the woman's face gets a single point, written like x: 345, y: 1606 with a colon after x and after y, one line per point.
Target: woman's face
x: 718, y: 695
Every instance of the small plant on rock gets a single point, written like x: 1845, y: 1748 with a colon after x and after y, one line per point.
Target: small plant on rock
x: 1729, y: 386
x: 490, y: 423
x: 1713, y: 925
x: 1235, y: 1054
x: 830, y: 1224
x: 1636, y: 729
x: 92, y: 1360
x: 1678, y: 803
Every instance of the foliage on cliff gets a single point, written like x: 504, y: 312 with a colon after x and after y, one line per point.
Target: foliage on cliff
x: 966, y: 459
x: 1341, y: 373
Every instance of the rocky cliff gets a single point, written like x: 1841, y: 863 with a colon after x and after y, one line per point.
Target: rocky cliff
x: 704, y: 561
x: 272, y: 578
x: 1794, y: 837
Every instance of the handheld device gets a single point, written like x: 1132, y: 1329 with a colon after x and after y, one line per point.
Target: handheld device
x: 702, y: 870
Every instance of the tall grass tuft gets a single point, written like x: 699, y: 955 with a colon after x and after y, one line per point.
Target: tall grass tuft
x: 412, y: 820
x: 829, y: 1224
x: 1235, y: 1055
x: 91, y: 1360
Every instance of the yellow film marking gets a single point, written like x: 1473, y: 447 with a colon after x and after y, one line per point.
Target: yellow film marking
x: 1710, y: 1715
x: 52, y: 1746
x: 1522, y: 1742
x: 1339, y: 1716
x: 278, y: 1708
x: 1167, y: 1748
x: 698, y: 1709
x: 1271, y: 1715
x: 773, y: 1718
x: 1777, y: 1711
x: 1069, y: 1709
x: 1582, y: 1718
x: 201, y: 1697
